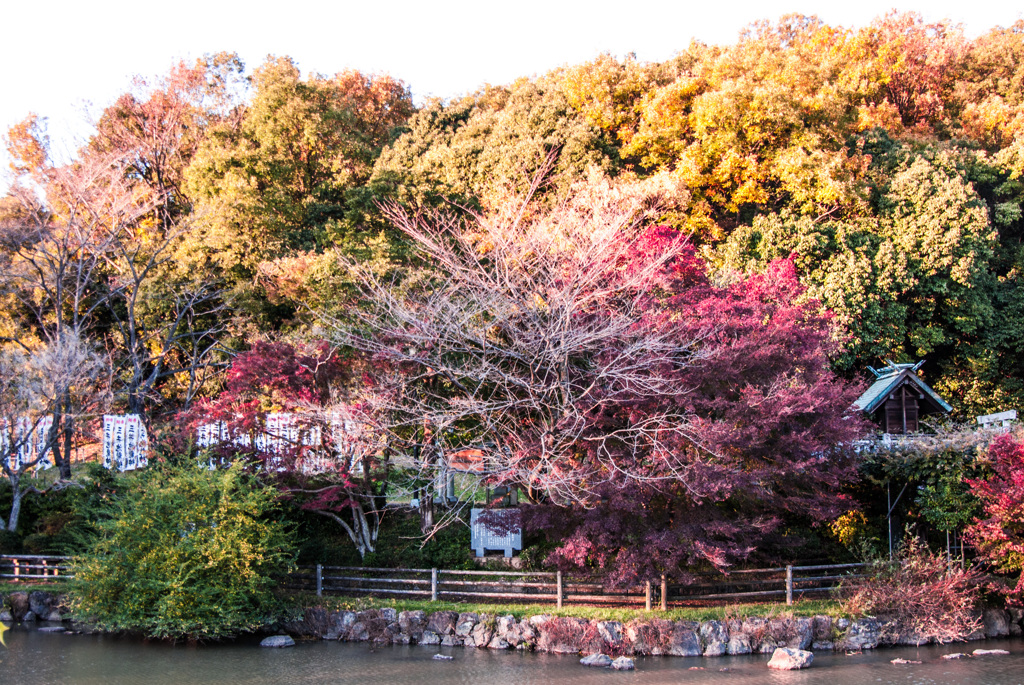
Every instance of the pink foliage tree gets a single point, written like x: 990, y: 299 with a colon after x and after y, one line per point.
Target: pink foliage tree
x: 343, y: 473
x: 653, y: 418
x: 999, y: 534
x: 767, y: 438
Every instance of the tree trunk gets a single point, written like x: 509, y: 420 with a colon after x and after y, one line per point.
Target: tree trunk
x: 16, y: 495
x: 58, y: 438
x: 426, y: 498
x: 69, y: 443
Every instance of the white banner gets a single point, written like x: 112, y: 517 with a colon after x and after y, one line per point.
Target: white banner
x: 125, y: 442
x: 285, y: 432
x: 31, y: 442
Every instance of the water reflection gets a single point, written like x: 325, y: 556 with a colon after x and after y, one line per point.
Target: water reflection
x: 35, y: 658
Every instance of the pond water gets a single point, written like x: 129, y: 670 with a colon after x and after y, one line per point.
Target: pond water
x: 35, y: 658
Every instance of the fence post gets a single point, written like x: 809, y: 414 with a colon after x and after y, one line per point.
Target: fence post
x: 16, y: 570
x: 433, y: 585
x: 664, y: 593
x: 789, y: 585
x: 558, y: 589
x: 647, y: 595
x: 319, y: 580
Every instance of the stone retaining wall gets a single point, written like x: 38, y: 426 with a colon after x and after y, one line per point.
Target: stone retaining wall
x: 568, y: 635
x: 28, y: 607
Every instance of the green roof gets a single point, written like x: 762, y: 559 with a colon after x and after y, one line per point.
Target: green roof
x: 889, y: 379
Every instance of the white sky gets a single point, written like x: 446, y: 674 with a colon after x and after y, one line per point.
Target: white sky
x: 66, y: 59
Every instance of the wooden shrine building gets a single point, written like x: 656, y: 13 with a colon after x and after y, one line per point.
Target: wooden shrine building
x: 898, y: 398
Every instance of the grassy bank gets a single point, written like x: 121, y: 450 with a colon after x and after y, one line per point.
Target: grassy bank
x: 56, y: 588
x: 809, y: 607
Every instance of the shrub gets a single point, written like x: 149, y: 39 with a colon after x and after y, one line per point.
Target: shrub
x: 920, y: 594
x: 185, y: 553
x: 10, y: 542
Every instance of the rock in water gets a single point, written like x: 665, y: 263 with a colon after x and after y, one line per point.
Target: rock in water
x: 442, y: 657
x: 898, y: 660
x: 984, y: 652
x: 623, y: 663
x: 599, y: 660
x: 789, y: 659
x: 278, y: 641
x: 955, y: 655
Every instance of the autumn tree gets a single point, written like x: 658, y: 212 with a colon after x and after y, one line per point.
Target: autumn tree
x: 756, y: 125
x: 158, y: 126
x: 84, y: 254
x: 928, y: 271
x: 766, y: 445
x: 908, y: 68
x: 989, y: 90
x: 588, y: 358
x: 42, y: 393
x: 168, y: 329
x: 28, y: 145
x: 998, y: 533
x: 53, y: 252
x: 340, y: 467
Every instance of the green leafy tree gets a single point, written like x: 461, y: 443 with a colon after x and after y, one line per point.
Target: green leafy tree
x: 272, y: 183
x: 916, y: 276
x: 186, y: 553
x: 948, y: 505
x: 470, y: 151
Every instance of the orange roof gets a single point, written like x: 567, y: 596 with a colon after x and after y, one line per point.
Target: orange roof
x: 468, y: 459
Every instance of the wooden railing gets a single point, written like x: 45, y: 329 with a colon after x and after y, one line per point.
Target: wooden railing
x: 34, y: 568
x: 513, y: 586
x: 542, y: 587
x: 766, y: 582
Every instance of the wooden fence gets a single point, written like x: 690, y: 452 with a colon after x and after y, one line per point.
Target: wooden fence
x: 513, y: 586
x: 34, y: 568
x: 543, y: 587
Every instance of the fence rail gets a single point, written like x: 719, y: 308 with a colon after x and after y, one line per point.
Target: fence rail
x: 34, y: 567
x: 524, y: 587
x: 533, y: 587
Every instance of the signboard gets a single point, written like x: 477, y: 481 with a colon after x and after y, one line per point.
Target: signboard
x: 1003, y: 418
x: 499, y: 529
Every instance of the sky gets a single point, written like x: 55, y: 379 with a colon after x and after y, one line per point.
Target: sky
x: 65, y: 60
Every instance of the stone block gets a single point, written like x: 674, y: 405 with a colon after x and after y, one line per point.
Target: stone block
x: 788, y: 659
